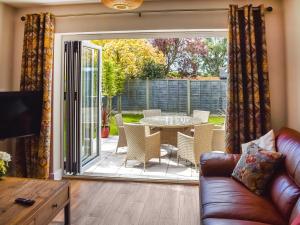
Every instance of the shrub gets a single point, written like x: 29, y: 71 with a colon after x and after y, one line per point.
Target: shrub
x: 174, y: 74
x: 152, y: 70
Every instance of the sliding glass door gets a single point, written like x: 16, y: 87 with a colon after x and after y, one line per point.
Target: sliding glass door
x: 82, y: 106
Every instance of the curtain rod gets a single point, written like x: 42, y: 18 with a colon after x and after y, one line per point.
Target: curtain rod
x: 139, y: 13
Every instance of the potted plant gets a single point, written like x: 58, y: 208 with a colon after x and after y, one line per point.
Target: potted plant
x: 105, y: 123
x: 4, y: 159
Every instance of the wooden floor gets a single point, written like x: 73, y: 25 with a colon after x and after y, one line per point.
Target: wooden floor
x: 122, y: 203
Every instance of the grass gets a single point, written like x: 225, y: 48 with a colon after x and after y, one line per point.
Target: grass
x: 217, y: 120
x: 127, y: 118
x: 134, y: 118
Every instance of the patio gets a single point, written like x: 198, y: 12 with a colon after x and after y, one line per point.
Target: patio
x: 112, y: 164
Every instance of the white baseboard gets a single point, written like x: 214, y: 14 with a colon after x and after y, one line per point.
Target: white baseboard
x: 57, y: 175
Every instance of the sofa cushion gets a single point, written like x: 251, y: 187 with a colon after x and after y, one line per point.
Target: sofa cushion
x: 288, y: 143
x: 284, y: 194
x: 223, y: 197
x: 256, y: 168
x: 295, y: 212
x: 296, y: 221
x: 266, y: 142
x: 218, y: 164
x: 216, y: 221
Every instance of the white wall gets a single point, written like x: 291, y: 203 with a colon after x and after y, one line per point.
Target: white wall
x: 161, y: 21
x: 6, y: 48
x: 202, y: 20
x: 292, y: 41
x: 6, y: 56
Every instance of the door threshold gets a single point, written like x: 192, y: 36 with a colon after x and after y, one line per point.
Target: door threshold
x: 132, y: 179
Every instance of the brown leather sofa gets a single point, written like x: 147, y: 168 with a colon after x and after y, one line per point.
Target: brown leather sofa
x: 224, y: 201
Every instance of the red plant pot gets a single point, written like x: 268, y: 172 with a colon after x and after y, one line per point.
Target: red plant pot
x: 104, y: 132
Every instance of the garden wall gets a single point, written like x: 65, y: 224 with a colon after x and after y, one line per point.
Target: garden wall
x: 176, y: 96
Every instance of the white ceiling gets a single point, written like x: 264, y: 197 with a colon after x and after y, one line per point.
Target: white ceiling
x: 28, y: 3
x: 21, y: 3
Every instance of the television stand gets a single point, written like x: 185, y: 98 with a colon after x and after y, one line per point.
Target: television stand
x: 50, y: 198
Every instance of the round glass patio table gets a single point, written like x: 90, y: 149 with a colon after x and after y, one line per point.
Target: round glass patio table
x: 169, y: 126
x: 170, y: 121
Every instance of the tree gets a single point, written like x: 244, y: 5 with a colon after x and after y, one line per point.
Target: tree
x: 191, y: 53
x: 170, y: 47
x: 182, y: 54
x: 152, y: 70
x: 130, y: 54
x: 109, y: 83
x: 216, y: 56
x: 119, y: 85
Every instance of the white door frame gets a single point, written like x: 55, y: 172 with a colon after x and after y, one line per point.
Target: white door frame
x: 60, y: 38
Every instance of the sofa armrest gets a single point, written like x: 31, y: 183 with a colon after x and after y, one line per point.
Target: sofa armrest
x: 218, y: 164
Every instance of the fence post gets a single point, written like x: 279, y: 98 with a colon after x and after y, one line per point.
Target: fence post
x: 147, y: 94
x: 188, y: 97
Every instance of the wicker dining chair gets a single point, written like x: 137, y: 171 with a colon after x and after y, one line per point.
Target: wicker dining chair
x: 142, y: 146
x: 122, y: 137
x: 190, y: 148
x: 203, y: 115
x: 151, y: 112
x: 218, y: 139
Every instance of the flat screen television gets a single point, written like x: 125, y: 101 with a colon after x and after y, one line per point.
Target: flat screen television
x: 20, y: 113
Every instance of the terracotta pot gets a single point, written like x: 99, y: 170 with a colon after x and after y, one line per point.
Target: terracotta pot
x: 104, y: 132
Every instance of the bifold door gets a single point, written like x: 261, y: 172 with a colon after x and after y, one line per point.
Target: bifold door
x: 82, y: 96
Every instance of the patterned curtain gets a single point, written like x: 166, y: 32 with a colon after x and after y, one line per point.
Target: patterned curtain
x: 36, y: 75
x: 248, y: 107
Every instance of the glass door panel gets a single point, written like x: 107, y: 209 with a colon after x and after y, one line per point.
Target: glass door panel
x: 90, y: 102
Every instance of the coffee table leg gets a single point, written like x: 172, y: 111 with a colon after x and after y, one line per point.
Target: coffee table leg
x: 67, y: 214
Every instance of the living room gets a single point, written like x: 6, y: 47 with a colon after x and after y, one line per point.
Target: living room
x: 262, y: 96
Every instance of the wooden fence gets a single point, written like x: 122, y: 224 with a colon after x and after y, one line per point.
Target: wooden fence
x: 176, y: 96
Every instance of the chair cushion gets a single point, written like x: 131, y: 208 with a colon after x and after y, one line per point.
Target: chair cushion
x: 223, y: 197
x: 256, y: 168
x: 216, y: 221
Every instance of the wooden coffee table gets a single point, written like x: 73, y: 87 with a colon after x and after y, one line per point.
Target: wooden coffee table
x: 50, y: 197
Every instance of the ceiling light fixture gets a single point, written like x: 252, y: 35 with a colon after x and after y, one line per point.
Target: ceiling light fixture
x: 123, y: 4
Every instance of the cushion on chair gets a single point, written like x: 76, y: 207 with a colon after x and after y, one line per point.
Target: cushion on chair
x: 223, y: 197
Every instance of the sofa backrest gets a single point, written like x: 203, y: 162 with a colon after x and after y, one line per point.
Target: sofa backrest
x: 285, y: 188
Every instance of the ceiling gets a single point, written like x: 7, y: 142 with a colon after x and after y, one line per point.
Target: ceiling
x: 29, y: 3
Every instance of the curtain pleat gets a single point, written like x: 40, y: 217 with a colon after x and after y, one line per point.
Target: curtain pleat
x: 248, y: 106
x: 36, y: 75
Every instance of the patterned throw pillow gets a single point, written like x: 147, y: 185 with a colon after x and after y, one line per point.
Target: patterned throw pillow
x: 256, y: 167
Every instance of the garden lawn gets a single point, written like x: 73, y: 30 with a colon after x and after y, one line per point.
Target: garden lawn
x: 127, y: 118
x: 135, y: 118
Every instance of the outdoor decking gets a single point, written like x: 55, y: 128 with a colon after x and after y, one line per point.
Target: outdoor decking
x: 112, y: 164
